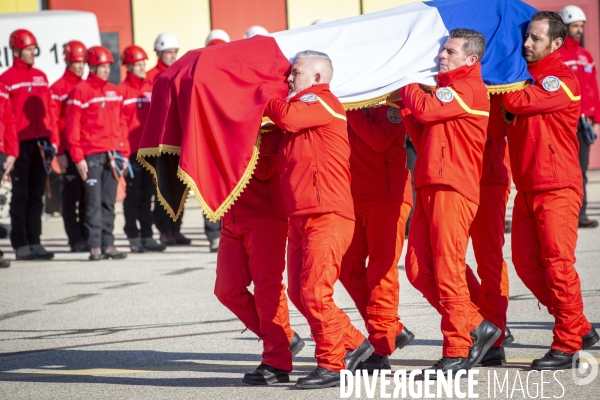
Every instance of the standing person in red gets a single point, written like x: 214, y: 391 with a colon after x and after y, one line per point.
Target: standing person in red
x: 37, y: 132
x: 487, y: 234
x: 252, y: 250
x: 73, y: 205
x: 382, y: 193
x: 9, y: 146
x: 137, y: 206
x: 99, y: 148
x: 582, y: 64
x: 448, y: 127
x: 544, y: 159
x: 166, y: 47
x: 314, y: 160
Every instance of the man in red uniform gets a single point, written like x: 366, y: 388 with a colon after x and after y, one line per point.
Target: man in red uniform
x: 252, y: 250
x: 487, y: 233
x: 73, y: 204
x: 38, y: 139
x: 9, y: 146
x: 166, y: 47
x: 382, y: 193
x: 314, y: 156
x: 99, y: 148
x: 544, y: 162
x: 448, y: 127
x: 137, y: 206
x: 582, y: 64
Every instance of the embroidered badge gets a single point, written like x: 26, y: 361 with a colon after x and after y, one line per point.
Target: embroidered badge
x: 588, y: 68
x: 394, y: 116
x: 551, y: 83
x: 444, y: 95
x: 308, y: 98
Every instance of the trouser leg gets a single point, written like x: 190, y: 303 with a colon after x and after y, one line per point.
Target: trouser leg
x: 133, y: 198
x: 212, y: 229
x: 19, y: 203
x: 109, y: 197
x: 584, y: 162
x: 93, y: 199
x: 73, y: 204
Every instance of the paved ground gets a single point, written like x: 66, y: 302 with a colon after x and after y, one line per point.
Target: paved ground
x: 149, y: 327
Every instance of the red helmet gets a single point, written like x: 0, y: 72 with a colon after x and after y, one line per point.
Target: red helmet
x: 74, y: 51
x: 97, y: 55
x: 22, y: 38
x: 133, y: 54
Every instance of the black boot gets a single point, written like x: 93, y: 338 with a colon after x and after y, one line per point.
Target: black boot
x: 493, y: 357
x: 508, y: 337
x: 266, y: 375
x: 296, y: 345
x: 375, y: 361
x: 556, y: 359
x: 320, y: 378
x: 361, y: 353
x: 589, y: 339
x: 404, y: 338
x: 448, y: 365
x: 484, y: 337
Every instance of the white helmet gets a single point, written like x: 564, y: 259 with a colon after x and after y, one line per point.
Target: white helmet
x: 166, y: 41
x: 255, y: 30
x: 571, y: 14
x: 217, y: 34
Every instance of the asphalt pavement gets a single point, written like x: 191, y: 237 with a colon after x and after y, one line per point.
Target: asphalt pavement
x: 149, y: 327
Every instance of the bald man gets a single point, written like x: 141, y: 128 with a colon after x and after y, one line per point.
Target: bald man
x: 314, y: 162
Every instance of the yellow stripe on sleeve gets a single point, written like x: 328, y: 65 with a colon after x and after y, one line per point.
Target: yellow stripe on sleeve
x: 466, y: 107
x: 330, y: 110
x: 568, y: 92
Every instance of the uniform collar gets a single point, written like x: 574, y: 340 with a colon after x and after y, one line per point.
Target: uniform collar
x: 20, y: 64
x: 95, y: 81
x: 446, y: 78
x: 551, y: 62
x: 571, y: 43
x: 323, y: 87
x: 71, y: 76
x: 134, y: 81
x: 161, y: 66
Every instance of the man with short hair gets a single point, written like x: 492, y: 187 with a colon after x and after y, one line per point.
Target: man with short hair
x: 38, y: 141
x: 543, y: 146
x: 137, y: 206
x: 582, y: 64
x: 382, y: 195
x: 448, y: 127
x: 98, y: 145
x: 73, y: 203
x: 314, y: 156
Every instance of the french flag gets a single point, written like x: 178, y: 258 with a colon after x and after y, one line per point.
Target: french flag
x: 202, y: 133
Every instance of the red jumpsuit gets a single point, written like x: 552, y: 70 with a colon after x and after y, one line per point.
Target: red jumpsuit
x: 448, y: 129
x: 252, y: 250
x: 487, y: 229
x: 382, y: 193
x: 60, y: 92
x: 544, y: 159
x: 314, y: 156
x: 155, y: 72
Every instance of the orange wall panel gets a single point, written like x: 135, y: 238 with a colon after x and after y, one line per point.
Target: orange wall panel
x: 236, y: 16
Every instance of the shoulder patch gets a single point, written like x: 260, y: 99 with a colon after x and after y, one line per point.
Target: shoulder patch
x: 394, y: 116
x: 551, y: 83
x: 308, y: 98
x: 444, y: 95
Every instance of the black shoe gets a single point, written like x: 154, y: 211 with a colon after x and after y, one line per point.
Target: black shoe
x: 556, y: 359
x: 493, y: 357
x: 447, y: 365
x: 80, y: 247
x: 167, y: 239
x: 320, y: 378
x: 97, y: 257
x: 508, y: 337
x: 404, y: 338
x: 41, y: 253
x: 484, y: 337
x: 112, y: 252
x: 375, y: 361
x: 588, y: 223
x: 180, y: 239
x: 266, y: 375
x: 589, y: 339
x: 361, y: 353
x: 4, y: 263
x: 296, y: 345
